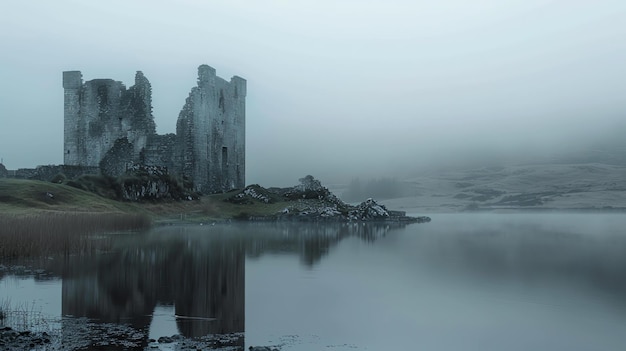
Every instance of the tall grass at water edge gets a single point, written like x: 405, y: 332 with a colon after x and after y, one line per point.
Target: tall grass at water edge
x: 23, y: 316
x: 4, y: 310
x: 60, y: 233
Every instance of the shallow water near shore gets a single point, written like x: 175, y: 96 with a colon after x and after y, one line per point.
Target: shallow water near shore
x: 464, y: 281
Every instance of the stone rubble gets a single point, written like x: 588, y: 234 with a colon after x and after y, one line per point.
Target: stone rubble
x: 311, y: 201
x: 22, y: 340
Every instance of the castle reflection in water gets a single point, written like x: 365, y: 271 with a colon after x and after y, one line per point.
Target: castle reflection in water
x: 200, y: 270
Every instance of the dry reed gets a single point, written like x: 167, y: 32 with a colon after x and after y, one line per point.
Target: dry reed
x: 50, y: 233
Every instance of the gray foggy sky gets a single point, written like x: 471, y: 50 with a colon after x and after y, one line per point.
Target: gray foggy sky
x: 335, y: 88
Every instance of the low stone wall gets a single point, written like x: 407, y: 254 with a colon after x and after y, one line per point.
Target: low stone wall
x: 47, y: 173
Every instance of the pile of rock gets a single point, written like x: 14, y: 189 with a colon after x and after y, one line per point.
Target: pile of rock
x: 251, y: 193
x: 369, y: 210
x: 22, y: 340
x: 310, y: 201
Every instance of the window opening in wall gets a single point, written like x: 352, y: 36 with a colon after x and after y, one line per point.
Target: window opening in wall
x: 221, y: 102
x: 224, y: 158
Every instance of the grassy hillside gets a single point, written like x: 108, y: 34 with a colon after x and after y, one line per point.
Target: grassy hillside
x: 29, y: 197
x: 560, y: 186
x: 40, y: 218
x: 25, y: 196
x: 208, y: 208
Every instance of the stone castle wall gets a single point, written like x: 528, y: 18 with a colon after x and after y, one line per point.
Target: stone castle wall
x: 47, y: 173
x: 111, y: 127
x: 101, y: 111
x: 219, y: 140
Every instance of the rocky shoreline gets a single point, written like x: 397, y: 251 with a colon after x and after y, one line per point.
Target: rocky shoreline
x: 11, y: 339
x: 310, y: 201
x: 109, y: 336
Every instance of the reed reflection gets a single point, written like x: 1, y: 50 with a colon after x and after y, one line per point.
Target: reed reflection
x: 198, y: 269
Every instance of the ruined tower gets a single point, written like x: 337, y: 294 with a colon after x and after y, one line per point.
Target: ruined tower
x: 111, y: 127
x: 101, y: 111
x: 72, y: 83
x: 211, y: 131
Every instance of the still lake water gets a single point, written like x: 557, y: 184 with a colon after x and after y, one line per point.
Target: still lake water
x: 462, y: 282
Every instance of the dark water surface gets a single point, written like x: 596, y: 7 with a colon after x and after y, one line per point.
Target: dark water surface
x: 462, y: 282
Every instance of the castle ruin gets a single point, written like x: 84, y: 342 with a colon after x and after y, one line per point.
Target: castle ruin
x: 111, y: 127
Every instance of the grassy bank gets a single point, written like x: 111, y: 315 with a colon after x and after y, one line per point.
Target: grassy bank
x: 41, y: 218
x: 46, y: 233
x: 208, y: 208
x: 31, y: 197
x: 18, y: 196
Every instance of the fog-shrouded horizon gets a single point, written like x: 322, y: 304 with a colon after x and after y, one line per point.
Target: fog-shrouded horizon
x: 336, y: 89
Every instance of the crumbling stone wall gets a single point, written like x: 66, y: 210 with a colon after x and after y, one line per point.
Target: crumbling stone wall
x: 109, y: 126
x: 220, y: 138
x: 47, y: 173
x: 100, y: 111
x: 162, y: 150
x: 118, y: 159
x: 149, y: 183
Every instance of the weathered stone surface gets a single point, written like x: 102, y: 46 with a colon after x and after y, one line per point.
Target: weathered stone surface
x: 311, y: 201
x: 251, y: 193
x: 117, y: 159
x: 151, y: 183
x: 111, y: 127
x: 48, y: 173
x: 369, y: 210
x: 22, y: 340
x: 213, y: 148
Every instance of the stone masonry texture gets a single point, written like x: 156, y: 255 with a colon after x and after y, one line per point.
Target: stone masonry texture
x: 109, y: 126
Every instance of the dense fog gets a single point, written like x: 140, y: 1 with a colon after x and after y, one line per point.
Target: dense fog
x: 369, y: 89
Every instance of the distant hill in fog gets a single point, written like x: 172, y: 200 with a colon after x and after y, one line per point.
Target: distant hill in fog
x: 541, y: 186
x: 591, y: 177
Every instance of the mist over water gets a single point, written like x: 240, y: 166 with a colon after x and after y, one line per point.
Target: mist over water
x: 493, y: 281
x: 430, y: 106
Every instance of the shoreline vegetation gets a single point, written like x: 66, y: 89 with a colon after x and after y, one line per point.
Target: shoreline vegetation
x: 40, y: 218
x: 46, y: 233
